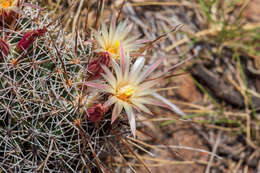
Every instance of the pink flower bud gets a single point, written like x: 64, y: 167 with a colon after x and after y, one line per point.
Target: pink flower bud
x: 95, y: 66
x: 4, y: 48
x: 96, y: 112
x: 29, y: 37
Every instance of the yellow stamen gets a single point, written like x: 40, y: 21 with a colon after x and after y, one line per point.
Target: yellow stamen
x: 113, y: 49
x: 124, y: 93
x: 117, y: 43
x: 6, y: 3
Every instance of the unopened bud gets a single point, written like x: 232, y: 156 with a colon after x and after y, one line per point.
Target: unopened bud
x: 29, y: 37
x: 96, y: 112
x: 95, y: 66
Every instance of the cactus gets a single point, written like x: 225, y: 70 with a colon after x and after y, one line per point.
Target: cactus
x: 43, y: 124
x: 51, y: 117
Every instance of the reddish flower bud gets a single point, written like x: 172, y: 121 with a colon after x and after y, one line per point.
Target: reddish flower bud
x: 95, y: 66
x: 96, y: 112
x: 29, y: 37
x: 4, y: 48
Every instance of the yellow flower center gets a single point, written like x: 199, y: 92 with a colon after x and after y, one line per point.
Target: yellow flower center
x: 125, y: 92
x: 113, y: 49
x: 6, y: 3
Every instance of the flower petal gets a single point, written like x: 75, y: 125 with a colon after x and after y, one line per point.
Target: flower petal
x: 121, y: 31
x: 170, y: 105
x: 100, y: 39
x: 117, y: 70
x: 150, y: 70
x: 136, y: 68
x: 144, y: 93
x: 116, y: 111
x: 122, y: 59
x: 143, y: 108
x: 109, y: 76
x: 148, y: 84
x: 127, y: 66
x: 110, y: 101
x: 112, y: 29
x: 131, y: 118
x: 104, y: 32
x: 124, y: 31
x: 96, y: 85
